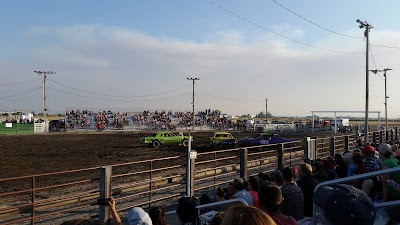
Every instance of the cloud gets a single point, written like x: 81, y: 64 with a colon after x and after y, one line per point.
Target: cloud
x: 231, y: 65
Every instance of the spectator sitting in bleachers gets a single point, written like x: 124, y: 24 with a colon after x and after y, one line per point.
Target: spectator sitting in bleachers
x: 187, y: 212
x: 388, y: 161
x: 373, y: 163
x: 137, y: 216
x: 240, y: 192
x: 359, y: 169
x: 307, y: 185
x: 253, y: 183
x: 341, y: 166
x: 292, y: 195
x: 157, y: 216
x: 271, y: 202
x: 278, y: 178
x: 344, y: 204
x: 318, y: 173
x: 217, y: 219
x: 328, y: 166
x: 246, y: 215
x: 205, y: 199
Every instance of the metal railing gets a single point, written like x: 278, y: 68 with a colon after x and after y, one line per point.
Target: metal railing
x: 354, y: 178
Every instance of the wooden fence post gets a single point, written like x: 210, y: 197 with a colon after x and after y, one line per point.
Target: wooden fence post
x: 396, y: 132
x: 346, y: 143
x: 105, y: 192
x: 192, y: 174
x: 243, y: 162
x: 380, y: 136
x: 374, y: 137
x: 280, y: 156
x: 332, y: 146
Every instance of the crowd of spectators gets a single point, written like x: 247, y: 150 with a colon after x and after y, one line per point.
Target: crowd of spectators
x: 151, y: 120
x: 288, y: 196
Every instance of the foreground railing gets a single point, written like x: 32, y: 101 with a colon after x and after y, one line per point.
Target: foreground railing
x: 354, y: 178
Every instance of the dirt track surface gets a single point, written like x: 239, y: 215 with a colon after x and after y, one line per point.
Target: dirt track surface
x: 36, y: 154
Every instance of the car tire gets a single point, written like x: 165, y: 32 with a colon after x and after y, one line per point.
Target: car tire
x: 156, y: 144
x: 185, y: 142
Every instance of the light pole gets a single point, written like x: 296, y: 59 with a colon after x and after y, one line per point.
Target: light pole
x: 194, y: 118
x: 44, y: 73
x: 367, y: 26
x: 189, y: 183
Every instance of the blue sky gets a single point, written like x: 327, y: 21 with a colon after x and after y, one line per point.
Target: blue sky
x: 136, y: 55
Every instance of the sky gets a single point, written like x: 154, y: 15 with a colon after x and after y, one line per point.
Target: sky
x: 136, y: 55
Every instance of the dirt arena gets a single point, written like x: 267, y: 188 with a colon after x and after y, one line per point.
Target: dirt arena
x: 35, y: 154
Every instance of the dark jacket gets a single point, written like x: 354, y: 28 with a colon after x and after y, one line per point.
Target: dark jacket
x: 307, y: 185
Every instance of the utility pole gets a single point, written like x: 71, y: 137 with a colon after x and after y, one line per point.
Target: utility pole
x: 367, y: 26
x: 194, y: 117
x: 386, y: 97
x: 44, y: 73
x: 266, y: 110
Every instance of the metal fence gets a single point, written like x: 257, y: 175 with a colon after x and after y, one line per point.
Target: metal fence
x: 45, y: 198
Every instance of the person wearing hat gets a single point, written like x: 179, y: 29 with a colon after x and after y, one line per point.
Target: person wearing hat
x: 372, y: 163
x: 343, y: 204
x: 137, y: 216
x: 388, y: 161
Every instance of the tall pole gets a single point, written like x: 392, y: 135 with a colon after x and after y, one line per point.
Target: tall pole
x: 386, y: 97
x: 367, y: 27
x: 194, y: 117
x: 44, y: 73
x: 266, y: 110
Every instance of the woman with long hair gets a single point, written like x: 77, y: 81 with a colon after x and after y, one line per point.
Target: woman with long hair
x: 246, y: 215
x: 157, y: 215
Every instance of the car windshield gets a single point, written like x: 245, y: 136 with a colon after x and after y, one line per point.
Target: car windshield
x: 154, y: 135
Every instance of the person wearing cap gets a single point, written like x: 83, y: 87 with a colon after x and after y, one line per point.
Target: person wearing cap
x: 137, y: 216
x: 388, y: 161
x: 240, y: 192
x: 343, y: 204
x: 372, y: 163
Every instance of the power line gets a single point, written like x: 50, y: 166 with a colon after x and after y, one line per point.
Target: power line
x: 115, y: 100
x: 22, y: 82
x: 115, y: 96
x: 22, y: 93
x: 230, y: 99
x: 373, y: 60
x: 278, y: 34
x: 384, y: 46
x: 313, y: 23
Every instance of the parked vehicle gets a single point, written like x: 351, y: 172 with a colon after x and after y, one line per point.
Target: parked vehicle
x: 263, y: 139
x: 165, y: 138
x: 223, y: 139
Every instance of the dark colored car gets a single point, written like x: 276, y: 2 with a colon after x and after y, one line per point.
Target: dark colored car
x: 263, y: 139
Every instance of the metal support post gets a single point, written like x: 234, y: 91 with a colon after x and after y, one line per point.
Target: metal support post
x: 332, y: 146
x: 105, y: 193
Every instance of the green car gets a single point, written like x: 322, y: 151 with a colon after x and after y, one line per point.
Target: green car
x: 165, y: 138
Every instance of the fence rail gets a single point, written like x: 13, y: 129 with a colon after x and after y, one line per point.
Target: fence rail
x: 147, y: 183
